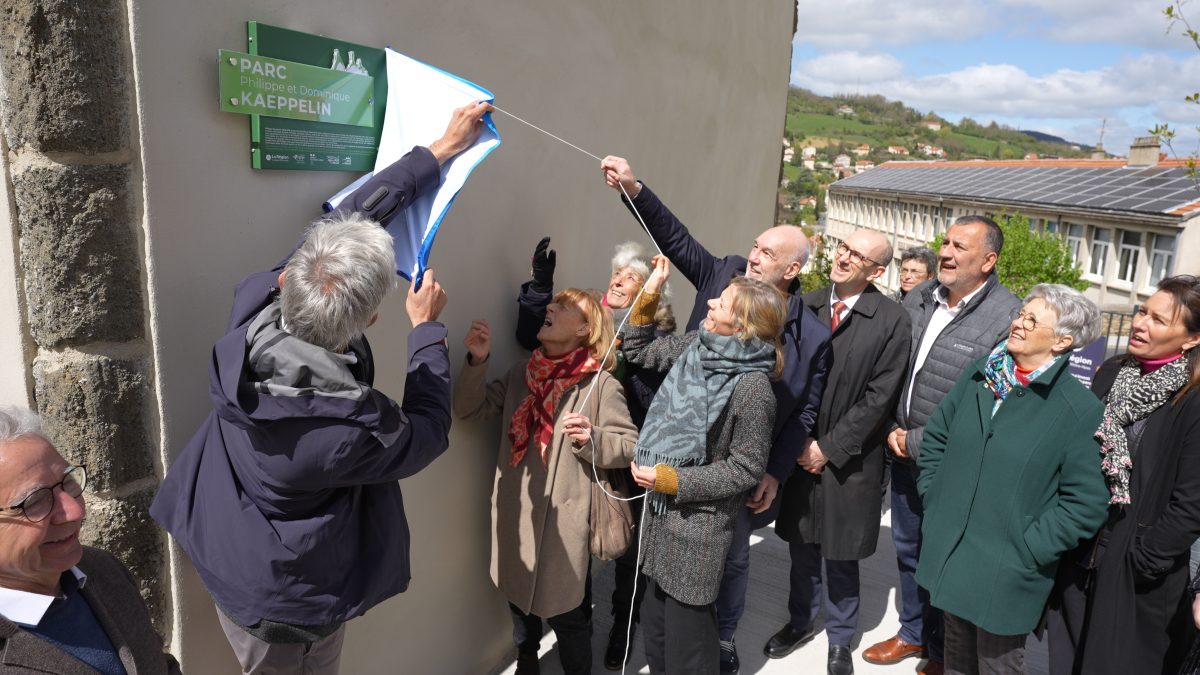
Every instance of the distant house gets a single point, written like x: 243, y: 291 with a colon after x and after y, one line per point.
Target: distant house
x: 932, y: 125
x: 806, y: 201
x: 810, y: 163
x: 788, y: 153
x: 862, y: 150
x: 841, y: 161
x: 845, y: 110
x: 823, y: 165
x: 808, y: 151
x: 930, y: 150
x: 1031, y: 156
x: 862, y: 165
x: 897, y: 150
x: 844, y: 172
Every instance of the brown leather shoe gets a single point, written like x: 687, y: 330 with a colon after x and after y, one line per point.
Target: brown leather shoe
x: 933, y: 668
x: 891, y: 651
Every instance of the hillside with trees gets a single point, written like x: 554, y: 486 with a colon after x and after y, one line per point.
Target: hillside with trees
x: 827, y: 137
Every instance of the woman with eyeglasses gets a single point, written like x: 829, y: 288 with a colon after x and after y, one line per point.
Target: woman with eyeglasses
x: 1010, y: 481
x: 1121, y: 603
x: 917, y: 265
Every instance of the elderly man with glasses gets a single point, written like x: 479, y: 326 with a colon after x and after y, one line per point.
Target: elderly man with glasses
x: 64, y: 607
x: 830, y: 507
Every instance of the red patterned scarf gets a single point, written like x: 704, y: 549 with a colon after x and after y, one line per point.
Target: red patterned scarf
x: 547, y: 378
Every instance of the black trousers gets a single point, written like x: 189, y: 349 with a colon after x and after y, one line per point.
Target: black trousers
x: 629, y: 584
x: 680, y: 639
x: 573, y: 630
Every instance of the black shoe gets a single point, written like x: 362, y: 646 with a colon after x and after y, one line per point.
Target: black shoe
x: 527, y: 663
x: 729, y: 658
x: 786, y: 641
x: 617, y: 652
x: 840, y: 662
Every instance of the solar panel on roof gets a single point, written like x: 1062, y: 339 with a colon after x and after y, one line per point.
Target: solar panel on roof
x: 1154, y: 189
x: 1159, y: 205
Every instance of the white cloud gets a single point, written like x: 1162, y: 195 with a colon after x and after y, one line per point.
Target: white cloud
x: 848, y: 69
x: 872, y: 24
x: 1129, y: 22
x: 869, y: 24
x: 1134, y: 94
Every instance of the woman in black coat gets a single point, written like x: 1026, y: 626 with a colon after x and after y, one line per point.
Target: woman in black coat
x: 1121, y: 603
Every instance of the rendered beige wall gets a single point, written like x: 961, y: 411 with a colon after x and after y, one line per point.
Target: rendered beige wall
x: 15, y: 385
x: 692, y: 92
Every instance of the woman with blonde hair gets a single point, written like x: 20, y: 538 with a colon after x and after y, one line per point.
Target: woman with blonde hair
x: 630, y: 268
x: 704, y: 445
x: 541, y: 499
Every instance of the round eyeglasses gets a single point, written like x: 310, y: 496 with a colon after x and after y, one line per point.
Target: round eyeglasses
x: 1029, y: 321
x: 856, y: 258
x: 37, y: 505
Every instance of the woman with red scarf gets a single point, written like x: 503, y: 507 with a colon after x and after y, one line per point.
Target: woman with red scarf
x: 541, y: 501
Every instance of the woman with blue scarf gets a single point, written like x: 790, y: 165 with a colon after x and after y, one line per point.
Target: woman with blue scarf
x: 704, y: 444
x: 1010, y: 480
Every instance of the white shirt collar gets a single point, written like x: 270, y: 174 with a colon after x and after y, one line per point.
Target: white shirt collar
x: 27, y: 609
x: 833, y: 297
x: 942, y: 295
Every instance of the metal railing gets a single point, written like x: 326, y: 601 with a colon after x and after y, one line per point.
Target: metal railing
x: 1115, y: 327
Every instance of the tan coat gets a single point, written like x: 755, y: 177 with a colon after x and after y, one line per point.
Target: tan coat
x: 540, y: 512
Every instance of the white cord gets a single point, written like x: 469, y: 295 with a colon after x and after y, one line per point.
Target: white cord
x: 531, y: 124
x: 595, y: 380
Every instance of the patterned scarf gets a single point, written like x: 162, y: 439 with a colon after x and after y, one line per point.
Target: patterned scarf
x: 1001, y: 372
x: 1133, y: 396
x: 692, y: 397
x: 547, y: 378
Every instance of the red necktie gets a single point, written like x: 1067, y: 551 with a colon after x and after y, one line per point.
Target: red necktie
x: 838, y: 308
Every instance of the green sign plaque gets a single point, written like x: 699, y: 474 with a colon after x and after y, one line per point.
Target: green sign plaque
x: 259, y: 85
x: 298, y: 135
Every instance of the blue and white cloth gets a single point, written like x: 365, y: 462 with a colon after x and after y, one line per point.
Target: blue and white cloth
x: 420, y: 101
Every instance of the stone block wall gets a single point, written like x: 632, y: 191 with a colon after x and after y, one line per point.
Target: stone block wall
x: 66, y: 94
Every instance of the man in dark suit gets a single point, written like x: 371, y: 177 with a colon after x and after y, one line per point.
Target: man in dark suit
x: 776, y: 258
x: 65, y: 608
x: 830, y: 507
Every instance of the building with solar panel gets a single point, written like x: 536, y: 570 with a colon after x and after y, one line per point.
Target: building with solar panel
x: 1128, y: 223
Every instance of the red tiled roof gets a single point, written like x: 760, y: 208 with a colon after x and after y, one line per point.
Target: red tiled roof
x: 1071, y: 163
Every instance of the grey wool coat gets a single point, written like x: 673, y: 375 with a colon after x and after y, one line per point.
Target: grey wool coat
x: 684, y: 549
x: 540, y: 513
x: 114, y: 599
x: 839, y: 509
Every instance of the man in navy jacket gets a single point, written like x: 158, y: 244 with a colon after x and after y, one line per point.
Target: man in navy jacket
x: 776, y: 258
x: 286, y: 498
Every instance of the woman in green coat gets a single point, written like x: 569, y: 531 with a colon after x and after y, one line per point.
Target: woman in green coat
x: 1010, y: 478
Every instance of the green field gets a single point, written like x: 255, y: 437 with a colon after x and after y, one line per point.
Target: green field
x: 813, y: 124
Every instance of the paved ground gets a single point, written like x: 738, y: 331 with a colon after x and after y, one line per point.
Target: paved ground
x: 766, y: 613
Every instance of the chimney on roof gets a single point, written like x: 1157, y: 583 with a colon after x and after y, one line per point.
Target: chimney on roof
x: 1143, y: 152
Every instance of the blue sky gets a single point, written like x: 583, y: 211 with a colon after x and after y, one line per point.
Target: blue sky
x: 1058, y: 66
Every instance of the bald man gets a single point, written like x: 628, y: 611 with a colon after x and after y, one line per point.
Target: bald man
x: 776, y: 258
x: 829, y: 511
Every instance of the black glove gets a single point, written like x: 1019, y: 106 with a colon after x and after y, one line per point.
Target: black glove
x: 543, y: 266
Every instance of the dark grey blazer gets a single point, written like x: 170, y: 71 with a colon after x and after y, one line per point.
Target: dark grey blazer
x: 972, y: 334
x: 114, y: 598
